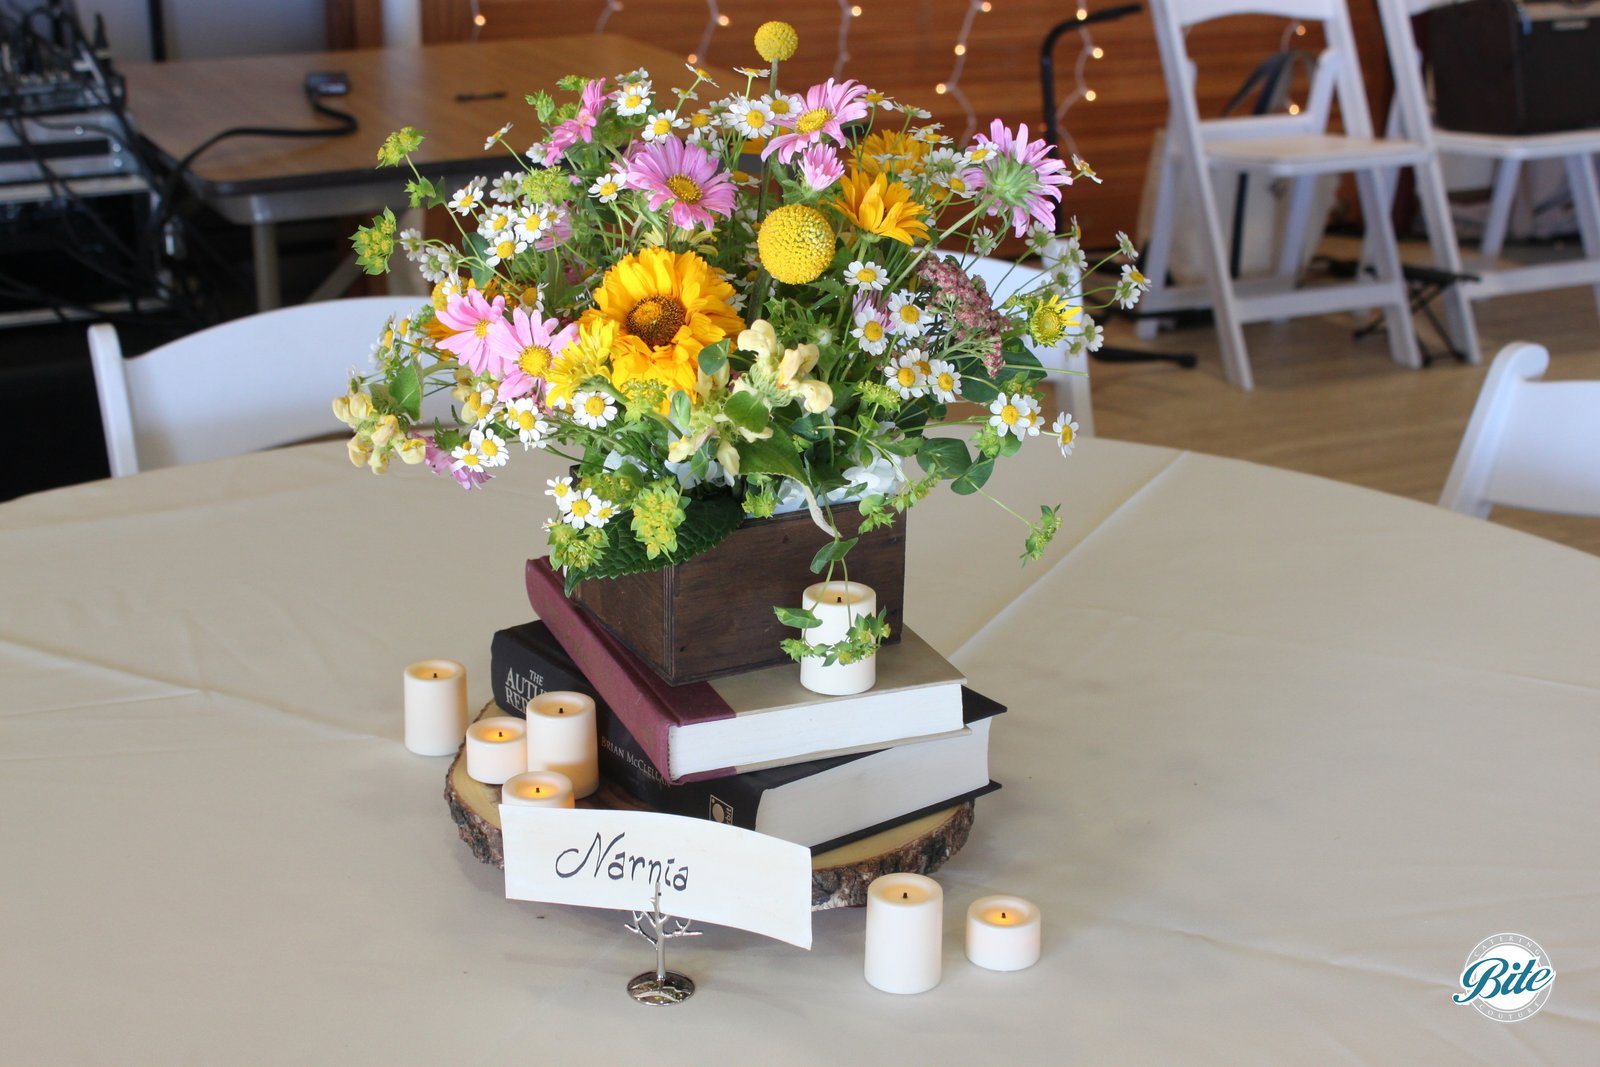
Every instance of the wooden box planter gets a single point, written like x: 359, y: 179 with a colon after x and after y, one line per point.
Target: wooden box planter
x: 712, y: 616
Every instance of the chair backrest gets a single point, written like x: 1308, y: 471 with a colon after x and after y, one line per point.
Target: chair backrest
x: 1070, y: 371
x: 1409, y: 113
x: 252, y: 383
x: 1338, y: 60
x: 1529, y: 443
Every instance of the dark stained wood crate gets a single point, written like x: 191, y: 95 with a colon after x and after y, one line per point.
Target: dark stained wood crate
x: 712, y: 616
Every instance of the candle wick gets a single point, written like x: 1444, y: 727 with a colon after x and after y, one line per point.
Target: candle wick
x: 905, y: 896
x: 1002, y: 915
x: 435, y: 674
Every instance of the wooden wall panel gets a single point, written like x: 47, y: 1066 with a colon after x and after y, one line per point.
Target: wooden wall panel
x: 905, y: 47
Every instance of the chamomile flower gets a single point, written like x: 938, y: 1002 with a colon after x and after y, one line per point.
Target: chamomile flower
x: 753, y: 72
x: 562, y: 490
x: 1125, y: 246
x: 878, y: 98
x: 702, y: 127
x: 493, y: 223
x: 1130, y: 286
x: 606, y: 187
x: 1069, y: 255
x: 750, y: 118
x: 489, y: 142
x: 916, y: 112
x: 871, y: 331
x: 866, y: 275
x: 522, y: 417
x: 507, y: 187
x: 944, y: 381
x: 586, y: 509
x: 783, y: 107
x: 534, y: 221
x: 1065, y: 431
x: 659, y: 127
x: 980, y: 153
x: 468, y: 198
x: 905, y: 374
x: 906, y: 319
x: 1084, y: 170
x: 508, y: 246
x: 1089, y: 338
x: 593, y: 409
x: 1016, y: 414
x: 436, y: 264
x: 930, y: 134
x: 479, y: 452
x: 633, y: 98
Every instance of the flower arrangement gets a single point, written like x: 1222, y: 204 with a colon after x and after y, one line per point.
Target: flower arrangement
x: 726, y: 306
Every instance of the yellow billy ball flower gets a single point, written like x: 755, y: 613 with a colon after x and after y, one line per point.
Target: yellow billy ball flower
x: 776, y: 41
x: 796, y: 243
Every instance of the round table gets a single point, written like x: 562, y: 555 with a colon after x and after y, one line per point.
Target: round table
x: 1279, y: 753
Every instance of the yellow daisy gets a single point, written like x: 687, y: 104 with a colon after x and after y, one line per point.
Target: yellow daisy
x: 890, y: 152
x: 586, y: 358
x: 880, y: 206
x: 665, y: 308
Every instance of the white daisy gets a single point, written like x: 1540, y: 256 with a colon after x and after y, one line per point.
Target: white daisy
x: 906, y: 319
x: 468, y: 197
x: 633, y: 98
x: 606, y: 187
x: 866, y: 275
x: 467, y: 457
x: 905, y: 374
x: 562, y: 490
x: 1065, y: 431
x: 1125, y: 246
x: 1084, y: 170
x: 702, y: 127
x: 488, y: 142
x: 1015, y: 414
x: 508, y: 246
x: 750, y: 118
x: 870, y: 332
x: 1130, y: 286
x: 535, y: 220
x: 783, y: 108
x: 1070, y: 255
x: 491, y: 224
x: 490, y: 447
x: 507, y: 187
x: 436, y: 265
x: 586, y: 509
x: 979, y: 153
x: 659, y: 127
x: 593, y: 409
x: 944, y: 381
x: 522, y: 417
x: 930, y: 134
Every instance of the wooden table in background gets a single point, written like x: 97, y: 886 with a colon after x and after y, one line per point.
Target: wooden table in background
x: 450, y: 91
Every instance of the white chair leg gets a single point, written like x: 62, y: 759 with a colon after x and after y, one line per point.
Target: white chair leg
x: 1296, y: 229
x: 1586, y: 202
x: 1386, y: 258
x: 1158, y: 253
x: 1458, y: 318
x: 1499, y: 218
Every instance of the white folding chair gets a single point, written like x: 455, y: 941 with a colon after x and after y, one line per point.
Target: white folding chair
x: 1069, y: 371
x: 252, y: 383
x: 1297, y: 148
x: 1412, y: 117
x: 1529, y: 443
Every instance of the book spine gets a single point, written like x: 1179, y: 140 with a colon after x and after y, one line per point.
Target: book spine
x: 627, y: 684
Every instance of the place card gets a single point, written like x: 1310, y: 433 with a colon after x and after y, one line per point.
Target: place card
x: 614, y: 859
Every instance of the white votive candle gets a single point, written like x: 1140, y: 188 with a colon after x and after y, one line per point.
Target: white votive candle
x: 561, y: 737
x: 837, y: 605
x: 435, y: 706
x: 538, y: 789
x: 1003, y: 933
x: 905, y: 933
x: 497, y: 749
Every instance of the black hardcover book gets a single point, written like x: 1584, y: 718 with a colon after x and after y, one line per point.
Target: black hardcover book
x: 819, y: 803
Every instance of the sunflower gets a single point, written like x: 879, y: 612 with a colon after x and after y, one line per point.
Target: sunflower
x: 880, y: 206
x: 666, y: 307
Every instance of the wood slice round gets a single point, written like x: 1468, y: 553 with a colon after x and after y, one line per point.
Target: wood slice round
x: 839, y: 877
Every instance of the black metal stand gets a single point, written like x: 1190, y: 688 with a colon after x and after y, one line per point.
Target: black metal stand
x: 1424, y: 285
x: 1047, y: 79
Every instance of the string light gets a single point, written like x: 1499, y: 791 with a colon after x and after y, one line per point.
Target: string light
x: 714, y: 18
x: 1087, y: 50
x: 1293, y: 29
x: 478, y: 20
x: 605, y: 15
x: 841, y: 48
x: 952, y: 84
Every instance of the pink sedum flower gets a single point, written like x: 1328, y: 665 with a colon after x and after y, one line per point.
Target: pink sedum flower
x: 821, y: 166
x: 527, y: 346
x: 822, y: 113
x: 685, y: 176
x: 472, y: 318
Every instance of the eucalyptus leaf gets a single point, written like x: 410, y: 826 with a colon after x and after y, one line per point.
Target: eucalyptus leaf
x: 406, y: 389
x: 946, y: 456
x: 775, y: 455
x: 797, y: 617
x: 832, y: 552
x: 681, y: 409
x: 973, y: 479
x: 714, y: 357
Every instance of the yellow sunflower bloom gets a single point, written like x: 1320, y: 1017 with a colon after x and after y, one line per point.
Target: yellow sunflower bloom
x: 877, y: 205
x: 665, y: 307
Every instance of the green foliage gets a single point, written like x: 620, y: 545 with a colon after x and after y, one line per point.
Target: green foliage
x: 398, y: 145
x: 799, y: 618
x: 747, y: 411
x: 405, y: 385
x: 944, y: 456
x: 705, y: 525
x: 861, y: 640
x: 832, y: 552
x: 374, y: 244
x: 543, y: 104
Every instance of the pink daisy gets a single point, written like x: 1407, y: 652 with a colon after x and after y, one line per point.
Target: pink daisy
x: 821, y: 166
x: 1021, y: 175
x: 684, y: 175
x: 822, y: 112
x: 472, y: 318
x: 578, y: 128
x: 527, y: 346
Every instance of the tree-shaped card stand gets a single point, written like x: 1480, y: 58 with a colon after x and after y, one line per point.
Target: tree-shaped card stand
x: 660, y: 986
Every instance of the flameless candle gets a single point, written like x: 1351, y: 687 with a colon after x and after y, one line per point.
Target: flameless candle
x: 561, y: 737
x: 837, y: 604
x: 905, y: 933
x: 1003, y: 933
x: 435, y: 706
x: 538, y: 789
x: 497, y: 749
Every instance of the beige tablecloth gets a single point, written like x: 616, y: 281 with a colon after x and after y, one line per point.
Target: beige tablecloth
x: 1280, y: 752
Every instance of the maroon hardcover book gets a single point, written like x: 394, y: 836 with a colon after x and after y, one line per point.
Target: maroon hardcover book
x: 760, y: 719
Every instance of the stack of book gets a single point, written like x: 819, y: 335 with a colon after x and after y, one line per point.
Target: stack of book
x: 758, y: 750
